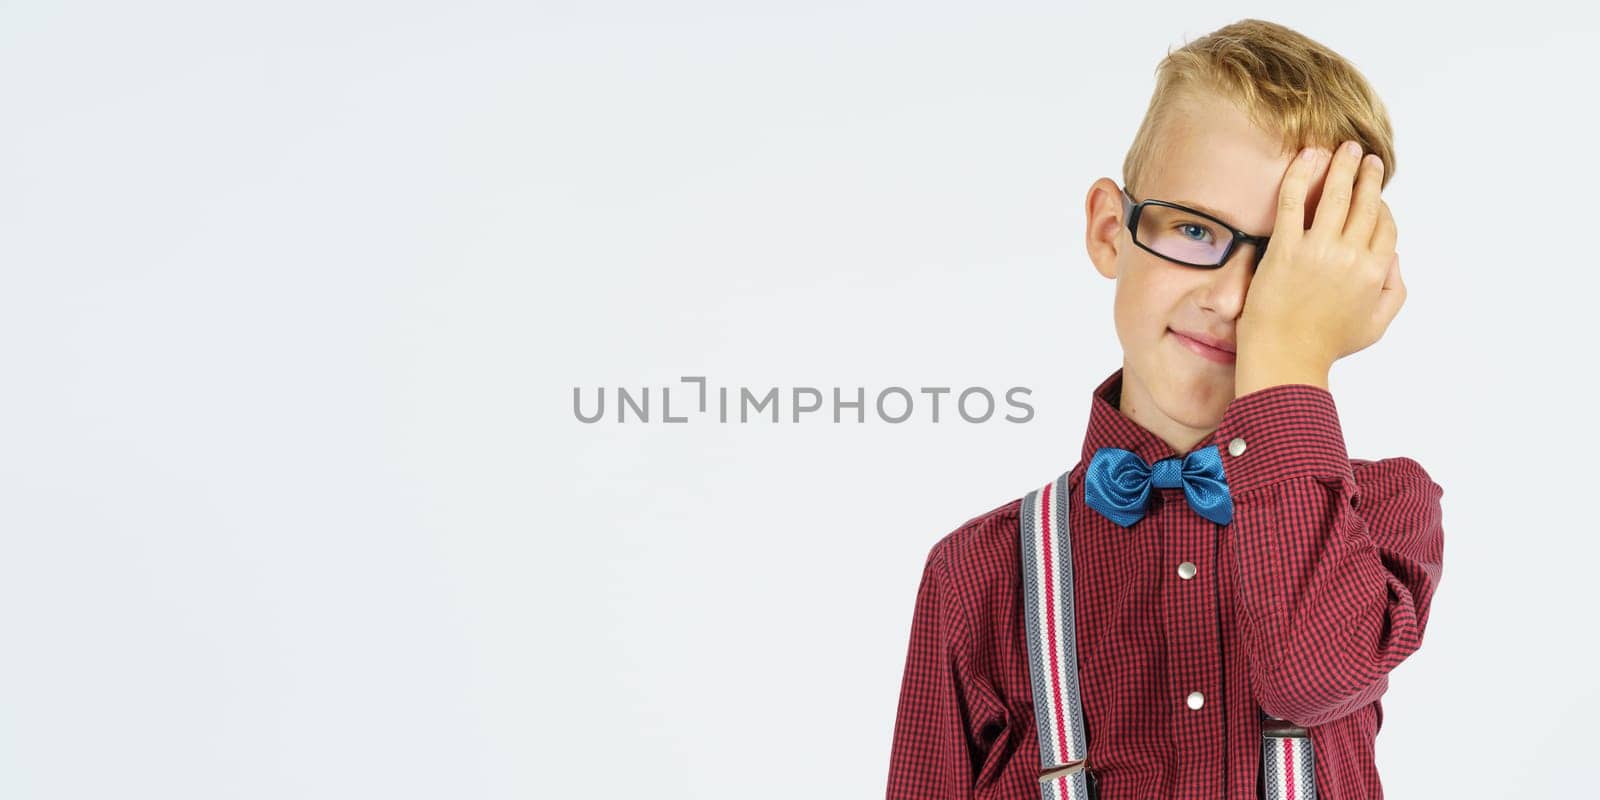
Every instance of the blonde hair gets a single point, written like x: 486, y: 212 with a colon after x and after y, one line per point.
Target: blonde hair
x: 1282, y: 80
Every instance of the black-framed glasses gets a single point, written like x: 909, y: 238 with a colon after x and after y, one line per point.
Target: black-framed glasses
x: 1183, y: 235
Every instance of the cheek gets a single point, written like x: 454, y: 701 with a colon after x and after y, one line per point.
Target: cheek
x: 1126, y: 308
x: 1144, y: 302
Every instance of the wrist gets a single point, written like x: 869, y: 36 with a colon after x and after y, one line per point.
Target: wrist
x: 1256, y: 373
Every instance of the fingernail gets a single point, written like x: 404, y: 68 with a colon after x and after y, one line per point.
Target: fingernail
x: 1308, y: 153
x: 1352, y: 148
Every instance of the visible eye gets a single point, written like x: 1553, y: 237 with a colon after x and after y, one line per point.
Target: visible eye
x: 1195, y: 232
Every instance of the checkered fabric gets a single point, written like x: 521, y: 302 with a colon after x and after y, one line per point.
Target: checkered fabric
x: 1299, y: 607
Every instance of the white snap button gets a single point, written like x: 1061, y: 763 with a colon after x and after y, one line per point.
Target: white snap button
x: 1196, y: 700
x: 1186, y: 570
x: 1236, y: 447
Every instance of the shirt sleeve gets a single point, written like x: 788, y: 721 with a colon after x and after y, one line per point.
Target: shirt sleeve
x: 1337, y: 560
x: 948, y: 716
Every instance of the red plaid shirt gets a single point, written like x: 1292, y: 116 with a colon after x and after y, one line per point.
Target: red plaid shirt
x: 1300, y: 607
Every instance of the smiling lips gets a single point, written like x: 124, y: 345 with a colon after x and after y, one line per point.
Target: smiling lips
x: 1221, y: 353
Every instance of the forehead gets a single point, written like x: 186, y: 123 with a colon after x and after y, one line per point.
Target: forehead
x: 1211, y: 156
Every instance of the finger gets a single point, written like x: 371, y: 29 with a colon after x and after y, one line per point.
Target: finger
x: 1335, y: 203
x: 1290, y: 223
x: 1364, y: 207
x: 1383, y: 231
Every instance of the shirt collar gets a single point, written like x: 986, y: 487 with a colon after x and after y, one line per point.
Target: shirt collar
x: 1109, y: 428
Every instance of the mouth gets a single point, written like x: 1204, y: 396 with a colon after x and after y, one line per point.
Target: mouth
x: 1213, y: 354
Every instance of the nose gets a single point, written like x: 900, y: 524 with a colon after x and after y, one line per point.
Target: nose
x: 1225, y: 288
x: 1257, y: 251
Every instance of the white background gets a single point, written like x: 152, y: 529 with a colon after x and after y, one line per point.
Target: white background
x: 293, y: 502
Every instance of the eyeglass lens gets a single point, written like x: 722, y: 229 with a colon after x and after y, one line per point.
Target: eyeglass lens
x: 1181, y: 235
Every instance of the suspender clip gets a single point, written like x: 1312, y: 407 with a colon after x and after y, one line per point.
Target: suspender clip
x: 1282, y: 728
x: 1064, y: 770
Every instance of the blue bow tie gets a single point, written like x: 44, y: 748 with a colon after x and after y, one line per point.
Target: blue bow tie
x: 1118, y: 484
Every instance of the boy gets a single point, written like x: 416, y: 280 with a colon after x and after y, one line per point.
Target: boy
x: 1230, y: 572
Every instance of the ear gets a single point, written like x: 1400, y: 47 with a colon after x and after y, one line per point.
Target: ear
x: 1104, y: 225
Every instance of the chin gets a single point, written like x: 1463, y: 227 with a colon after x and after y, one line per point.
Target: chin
x: 1194, y: 395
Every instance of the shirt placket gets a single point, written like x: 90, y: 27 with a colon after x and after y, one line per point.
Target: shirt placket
x: 1188, y: 578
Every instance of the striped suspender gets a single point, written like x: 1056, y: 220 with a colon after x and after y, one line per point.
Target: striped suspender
x: 1287, y: 768
x: 1053, y: 642
x: 1286, y: 754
